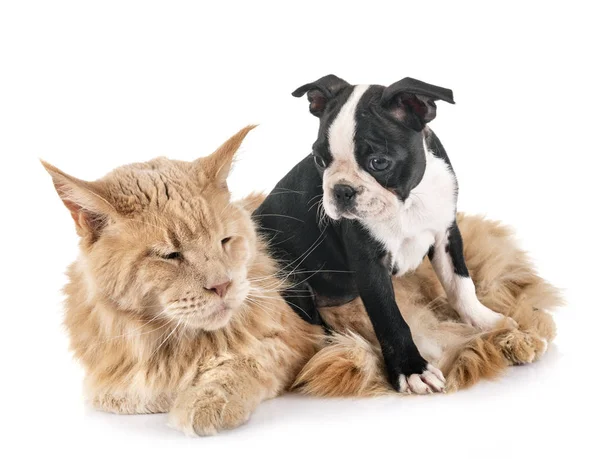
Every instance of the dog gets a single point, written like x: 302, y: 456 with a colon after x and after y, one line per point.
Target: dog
x: 376, y: 195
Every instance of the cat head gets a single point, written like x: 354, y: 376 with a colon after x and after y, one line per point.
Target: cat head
x: 163, y: 239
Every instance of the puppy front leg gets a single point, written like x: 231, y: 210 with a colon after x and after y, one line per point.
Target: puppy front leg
x: 448, y: 262
x: 407, y: 370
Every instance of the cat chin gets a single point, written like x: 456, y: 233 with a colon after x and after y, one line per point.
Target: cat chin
x: 216, y: 320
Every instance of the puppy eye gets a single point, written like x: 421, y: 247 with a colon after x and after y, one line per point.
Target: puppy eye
x: 225, y: 240
x: 172, y: 256
x: 379, y: 164
x: 320, y: 162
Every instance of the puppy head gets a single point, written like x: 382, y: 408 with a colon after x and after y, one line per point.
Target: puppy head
x: 370, y: 144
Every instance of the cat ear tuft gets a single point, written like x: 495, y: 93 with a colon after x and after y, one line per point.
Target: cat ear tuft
x: 216, y: 167
x: 89, y: 208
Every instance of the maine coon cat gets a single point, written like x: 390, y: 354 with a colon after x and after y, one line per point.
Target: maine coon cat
x: 173, y: 304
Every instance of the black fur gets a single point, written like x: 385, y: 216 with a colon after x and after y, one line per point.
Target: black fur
x: 455, y: 249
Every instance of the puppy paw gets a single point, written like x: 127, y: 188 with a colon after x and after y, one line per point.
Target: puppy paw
x: 429, y: 381
x: 207, y: 411
x: 485, y: 319
x: 521, y: 347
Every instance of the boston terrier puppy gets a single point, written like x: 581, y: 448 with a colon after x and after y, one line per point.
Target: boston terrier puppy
x: 376, y: 195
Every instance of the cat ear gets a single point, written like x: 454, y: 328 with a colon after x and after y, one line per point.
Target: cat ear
x: 412, y: 101
x: 216, y: 166
x: 85, y: 200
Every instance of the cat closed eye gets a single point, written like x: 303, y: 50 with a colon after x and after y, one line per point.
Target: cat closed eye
x: 172, y: 256
x: 225, y: 240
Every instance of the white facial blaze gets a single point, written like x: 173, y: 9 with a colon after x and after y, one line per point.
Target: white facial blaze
x: 341, y: 132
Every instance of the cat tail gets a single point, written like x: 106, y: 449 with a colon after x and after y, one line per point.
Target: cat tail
x: 347, y: 366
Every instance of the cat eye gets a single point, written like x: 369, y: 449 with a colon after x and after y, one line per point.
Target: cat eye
x: 224, y: 241
x: 172, y: 256
x: 379, y: 164
x: 320, y: 162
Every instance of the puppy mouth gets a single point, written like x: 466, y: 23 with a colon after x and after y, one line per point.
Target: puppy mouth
x: 335, y: 213
x: 350, y: 215
x: 355, y: 213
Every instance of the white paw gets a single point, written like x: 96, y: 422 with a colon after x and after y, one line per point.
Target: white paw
x: 485, y: 319
x: 431, y: 380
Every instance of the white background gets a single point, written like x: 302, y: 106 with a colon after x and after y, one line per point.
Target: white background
x: 91, y: 85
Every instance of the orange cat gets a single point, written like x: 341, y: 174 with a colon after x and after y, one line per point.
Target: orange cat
x: 173, y: 304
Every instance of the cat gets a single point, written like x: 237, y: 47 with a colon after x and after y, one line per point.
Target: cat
x: 174, y: 305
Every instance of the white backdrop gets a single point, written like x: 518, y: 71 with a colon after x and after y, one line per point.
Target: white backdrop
x: 91, y: 85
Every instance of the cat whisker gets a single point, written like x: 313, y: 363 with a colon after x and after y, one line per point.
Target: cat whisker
x: 307, y: 271
x: 285, y: 192
x: 289, y: 191
x: 270, y: 297
x: 271, y: 229
x: 280, y: 242
x: 316, y: 244
x: 165, y: 340
x: 298, y: 307
x: 131, y: 333
x: 283, y: 216
x: 298, y: 261
x: 261, y: 306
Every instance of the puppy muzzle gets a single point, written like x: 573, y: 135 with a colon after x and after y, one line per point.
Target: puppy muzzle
x: 345, y: 197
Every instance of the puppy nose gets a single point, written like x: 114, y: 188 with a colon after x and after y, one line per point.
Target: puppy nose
x: 344, y: 193
x: 220, y: 288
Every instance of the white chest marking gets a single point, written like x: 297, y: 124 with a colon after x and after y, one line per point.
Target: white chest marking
x: 427, y: 212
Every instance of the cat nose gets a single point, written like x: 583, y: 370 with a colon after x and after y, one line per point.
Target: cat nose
x: 220, y: 288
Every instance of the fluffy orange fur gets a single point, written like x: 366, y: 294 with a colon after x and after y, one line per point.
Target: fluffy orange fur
x: 153, y: 335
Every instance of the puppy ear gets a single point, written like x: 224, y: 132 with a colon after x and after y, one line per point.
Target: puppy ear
x: 217, y: 165
x: 320, y: 92
x: 86, y: 201
x: 412, y: 101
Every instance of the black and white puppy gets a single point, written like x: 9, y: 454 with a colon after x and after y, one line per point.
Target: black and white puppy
x: 388, y: 195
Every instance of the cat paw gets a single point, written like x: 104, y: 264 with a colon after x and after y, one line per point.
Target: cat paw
x: 485, y: 319
x: 521, y: 347
x: 429, y: 381
x: 208, y: 412
x: 128, y: 404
